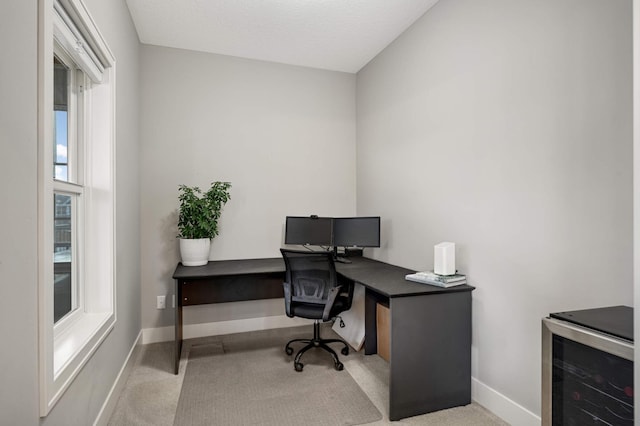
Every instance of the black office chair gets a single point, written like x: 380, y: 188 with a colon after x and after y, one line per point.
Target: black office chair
x: 311, y: 291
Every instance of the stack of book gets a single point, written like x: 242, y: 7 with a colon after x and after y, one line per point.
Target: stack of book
x: 432, y: 278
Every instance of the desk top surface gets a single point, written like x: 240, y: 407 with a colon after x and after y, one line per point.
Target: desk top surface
x: 219, y: 268
x: 381, y: 277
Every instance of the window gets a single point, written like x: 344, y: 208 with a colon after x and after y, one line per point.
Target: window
x: 76, y: 201
x: 68, y: 89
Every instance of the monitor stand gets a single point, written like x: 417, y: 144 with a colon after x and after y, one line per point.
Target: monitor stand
x: 337, y: 258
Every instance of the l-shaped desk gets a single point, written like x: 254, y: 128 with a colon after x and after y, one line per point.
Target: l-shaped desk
x: 430, y: 327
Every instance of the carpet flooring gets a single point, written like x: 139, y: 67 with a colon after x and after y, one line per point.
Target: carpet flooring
x: 258, y: 386
x: 152, y: 393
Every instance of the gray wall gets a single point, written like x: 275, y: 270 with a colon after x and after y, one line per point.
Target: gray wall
x: 636, y: 193
x: 506, y: 127
x: 18, y: 261
x: 284, y: 136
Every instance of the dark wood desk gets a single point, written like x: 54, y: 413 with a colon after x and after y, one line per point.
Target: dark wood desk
x: 430, y: 345
x: 224, y: 281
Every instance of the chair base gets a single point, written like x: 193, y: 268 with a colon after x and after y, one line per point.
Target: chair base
x: 317, y: 342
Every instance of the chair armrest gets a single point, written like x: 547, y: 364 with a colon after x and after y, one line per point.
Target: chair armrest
x: 287, y: 298
x: 330, y: 301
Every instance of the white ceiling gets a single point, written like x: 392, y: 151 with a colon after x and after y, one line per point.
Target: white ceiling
x: 339, y: 35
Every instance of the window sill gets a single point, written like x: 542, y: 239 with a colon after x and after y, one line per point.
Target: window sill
x: 74, y: 347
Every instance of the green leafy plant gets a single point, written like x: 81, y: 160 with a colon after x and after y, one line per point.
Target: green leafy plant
x: 199, y: 211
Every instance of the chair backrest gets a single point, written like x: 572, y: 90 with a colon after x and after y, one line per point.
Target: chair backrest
x: 312, y: 275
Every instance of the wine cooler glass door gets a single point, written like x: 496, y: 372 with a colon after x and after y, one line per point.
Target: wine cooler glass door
x: 587, y: 377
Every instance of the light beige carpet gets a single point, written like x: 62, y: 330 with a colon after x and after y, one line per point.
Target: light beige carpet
x: 240, y: 383
x: 150, y: 397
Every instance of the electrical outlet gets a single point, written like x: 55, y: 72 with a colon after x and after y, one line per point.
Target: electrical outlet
x: 161, y: 302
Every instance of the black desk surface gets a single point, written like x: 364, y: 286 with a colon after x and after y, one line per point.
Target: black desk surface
x: 384, y: 278
x: 229, y: 267
x: 614, y: 320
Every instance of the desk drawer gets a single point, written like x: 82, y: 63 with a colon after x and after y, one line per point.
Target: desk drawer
x: 231, y: 288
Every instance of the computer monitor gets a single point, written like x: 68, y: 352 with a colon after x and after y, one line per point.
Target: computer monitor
x: 308, y: 230
x: 356, y: 231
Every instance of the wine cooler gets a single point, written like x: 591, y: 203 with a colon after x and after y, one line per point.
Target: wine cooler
x: 587, y: 367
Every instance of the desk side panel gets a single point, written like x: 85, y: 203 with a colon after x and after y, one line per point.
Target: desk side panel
x: 430, y: 353
x: 372, y: 299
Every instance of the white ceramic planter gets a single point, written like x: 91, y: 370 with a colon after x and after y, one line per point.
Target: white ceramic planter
x: 195, y: 252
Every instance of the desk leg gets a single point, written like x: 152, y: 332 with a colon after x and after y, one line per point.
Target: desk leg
x: 371, y: 299
x: 430, y: 365
x: 178, y: 327
x: 370, y: 331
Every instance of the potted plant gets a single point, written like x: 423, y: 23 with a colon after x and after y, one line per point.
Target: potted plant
x: 198, y: 220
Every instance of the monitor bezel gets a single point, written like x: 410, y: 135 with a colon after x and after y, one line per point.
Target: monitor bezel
x: 337, y: 244
x: 310, y: 218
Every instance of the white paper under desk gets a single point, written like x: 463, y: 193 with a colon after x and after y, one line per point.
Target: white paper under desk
x: 353, y: 331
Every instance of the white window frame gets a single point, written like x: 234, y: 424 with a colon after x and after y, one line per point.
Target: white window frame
x: 65, y: 347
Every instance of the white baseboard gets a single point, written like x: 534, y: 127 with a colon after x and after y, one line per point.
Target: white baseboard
x: 190, y: 331
x: 118, y: 385
x: 503, y: 407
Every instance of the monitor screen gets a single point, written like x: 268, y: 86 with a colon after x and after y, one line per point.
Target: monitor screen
x: 356, y: 231
x: 308, y: 230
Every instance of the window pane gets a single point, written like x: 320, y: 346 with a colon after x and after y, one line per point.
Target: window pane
x: 61, y: 79
x: 61, y: 165
x: 62, y: 261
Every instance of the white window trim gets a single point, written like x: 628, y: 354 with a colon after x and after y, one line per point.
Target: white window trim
x: 65, y: 351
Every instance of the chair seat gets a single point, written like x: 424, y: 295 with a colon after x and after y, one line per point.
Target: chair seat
x: 314, y: 311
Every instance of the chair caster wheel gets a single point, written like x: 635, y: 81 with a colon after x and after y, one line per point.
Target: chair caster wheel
x: 339, y: 366
x: 345, y: 351
x: 288, y: 350
x: 298, y: 366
